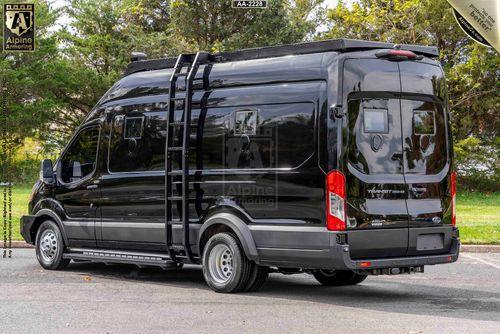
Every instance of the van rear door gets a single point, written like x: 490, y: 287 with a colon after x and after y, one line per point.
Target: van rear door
x: 377, y: 216
x: 397, y: 158
x: 427, y: 157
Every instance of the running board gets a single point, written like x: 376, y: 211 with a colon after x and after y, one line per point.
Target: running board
x: 113, y: 256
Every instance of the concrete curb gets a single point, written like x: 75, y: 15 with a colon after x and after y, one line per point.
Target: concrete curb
x: 480, y: 248
x: 463, y: 248
x: 17, y: 244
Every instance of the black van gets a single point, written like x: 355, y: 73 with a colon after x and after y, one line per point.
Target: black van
x: 332, y: 158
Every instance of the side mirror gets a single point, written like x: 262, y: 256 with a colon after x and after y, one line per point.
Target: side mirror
x: 47, y: 172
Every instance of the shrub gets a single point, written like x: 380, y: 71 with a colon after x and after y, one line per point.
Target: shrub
x: 478, y: 164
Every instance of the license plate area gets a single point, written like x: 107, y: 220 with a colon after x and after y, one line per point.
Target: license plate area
x: 430, y: 242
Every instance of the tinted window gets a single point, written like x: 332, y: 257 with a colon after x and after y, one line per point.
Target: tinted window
x: 424, y: 137
x: 375, y: 120
x: 80, y: 158
x: 133, y: 127
x: 423, y: 122
x: 274, y: 136
x: 245, y: 122
x: 137, y: 143
x: 374, y: 136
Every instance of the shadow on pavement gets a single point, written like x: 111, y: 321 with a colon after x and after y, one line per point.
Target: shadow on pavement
x: 373, y: 294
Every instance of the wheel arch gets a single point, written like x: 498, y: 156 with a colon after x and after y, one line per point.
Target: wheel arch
x: 228, y: 222
x: 43, y: 215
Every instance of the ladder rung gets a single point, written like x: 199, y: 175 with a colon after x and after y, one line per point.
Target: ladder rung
x: 183, y: 98
x: 175, y: 198
x: 182, y: 74
x: 175, y: 148
x: 176, y: 123
x: 186, y: 63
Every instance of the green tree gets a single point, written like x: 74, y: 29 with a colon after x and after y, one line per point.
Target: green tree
x: 213, y: 25
x: 95, y: 49
x: 25, y: 104
x: 27, y: 111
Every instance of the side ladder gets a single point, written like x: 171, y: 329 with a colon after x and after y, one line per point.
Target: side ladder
x: 177, y: 143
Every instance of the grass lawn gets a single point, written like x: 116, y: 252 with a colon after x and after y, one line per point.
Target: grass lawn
x: 478, y: 215
x: 478, y: 218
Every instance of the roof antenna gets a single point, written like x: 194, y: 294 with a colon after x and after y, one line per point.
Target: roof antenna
x: 138, y: 56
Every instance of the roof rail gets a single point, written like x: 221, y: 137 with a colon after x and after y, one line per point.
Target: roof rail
x: 339, y: 45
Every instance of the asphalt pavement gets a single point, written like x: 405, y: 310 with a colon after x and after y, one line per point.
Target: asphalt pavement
x: 463, y: 297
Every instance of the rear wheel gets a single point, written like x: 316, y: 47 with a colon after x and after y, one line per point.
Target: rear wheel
x: 49, y: 246
x: 257, y: 278
x: 225, y: 266
x: 338, y: 277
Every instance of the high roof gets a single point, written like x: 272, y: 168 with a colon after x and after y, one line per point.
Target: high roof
x: 338, y: 45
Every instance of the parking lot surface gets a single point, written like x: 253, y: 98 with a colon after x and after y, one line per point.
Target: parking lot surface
x: 463, y: 297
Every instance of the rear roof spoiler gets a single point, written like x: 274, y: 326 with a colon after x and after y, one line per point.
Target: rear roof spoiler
x: 338, y: 45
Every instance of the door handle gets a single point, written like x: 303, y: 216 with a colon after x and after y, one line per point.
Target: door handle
x: 92, y: 186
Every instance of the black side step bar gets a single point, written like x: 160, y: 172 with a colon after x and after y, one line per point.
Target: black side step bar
x: 113, y: 256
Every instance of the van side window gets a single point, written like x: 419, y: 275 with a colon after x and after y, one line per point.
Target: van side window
x: 80, y: 158
x: 133, y: 127
x: 245, y: 122
x: 137, y: 143
x: 375, y: 120
x: 423, y: 122
x: 272, y: 136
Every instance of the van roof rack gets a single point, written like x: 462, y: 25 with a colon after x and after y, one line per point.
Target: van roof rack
x: 339, y: 45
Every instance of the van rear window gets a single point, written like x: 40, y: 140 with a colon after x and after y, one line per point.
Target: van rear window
x: 375, y: 120
x: 423, y: 122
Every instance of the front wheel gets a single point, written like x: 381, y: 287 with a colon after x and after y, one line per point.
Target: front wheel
x: 49, y: 246
x: 225, y: 266
x: 338, y: 277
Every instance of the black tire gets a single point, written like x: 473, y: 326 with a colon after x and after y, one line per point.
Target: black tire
x: 49, y: 246
x: 338, y: 277
x: 257, y: 278
x: 214, y: 266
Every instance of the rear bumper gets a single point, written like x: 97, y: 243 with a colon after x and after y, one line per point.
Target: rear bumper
x: 334, y: 254
x: 25, y: 227
x: 342, y: 252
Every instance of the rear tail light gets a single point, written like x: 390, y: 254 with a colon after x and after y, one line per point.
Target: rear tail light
x: 366, y: 264
x: 398, y: 55
x: 335, y: 201
x: 453, y: 186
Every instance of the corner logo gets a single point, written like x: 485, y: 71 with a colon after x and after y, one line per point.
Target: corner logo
x: 19, y: 27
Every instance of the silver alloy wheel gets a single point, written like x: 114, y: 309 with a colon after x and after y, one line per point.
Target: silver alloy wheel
x: 48, y: 245
x: 220, y: 263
